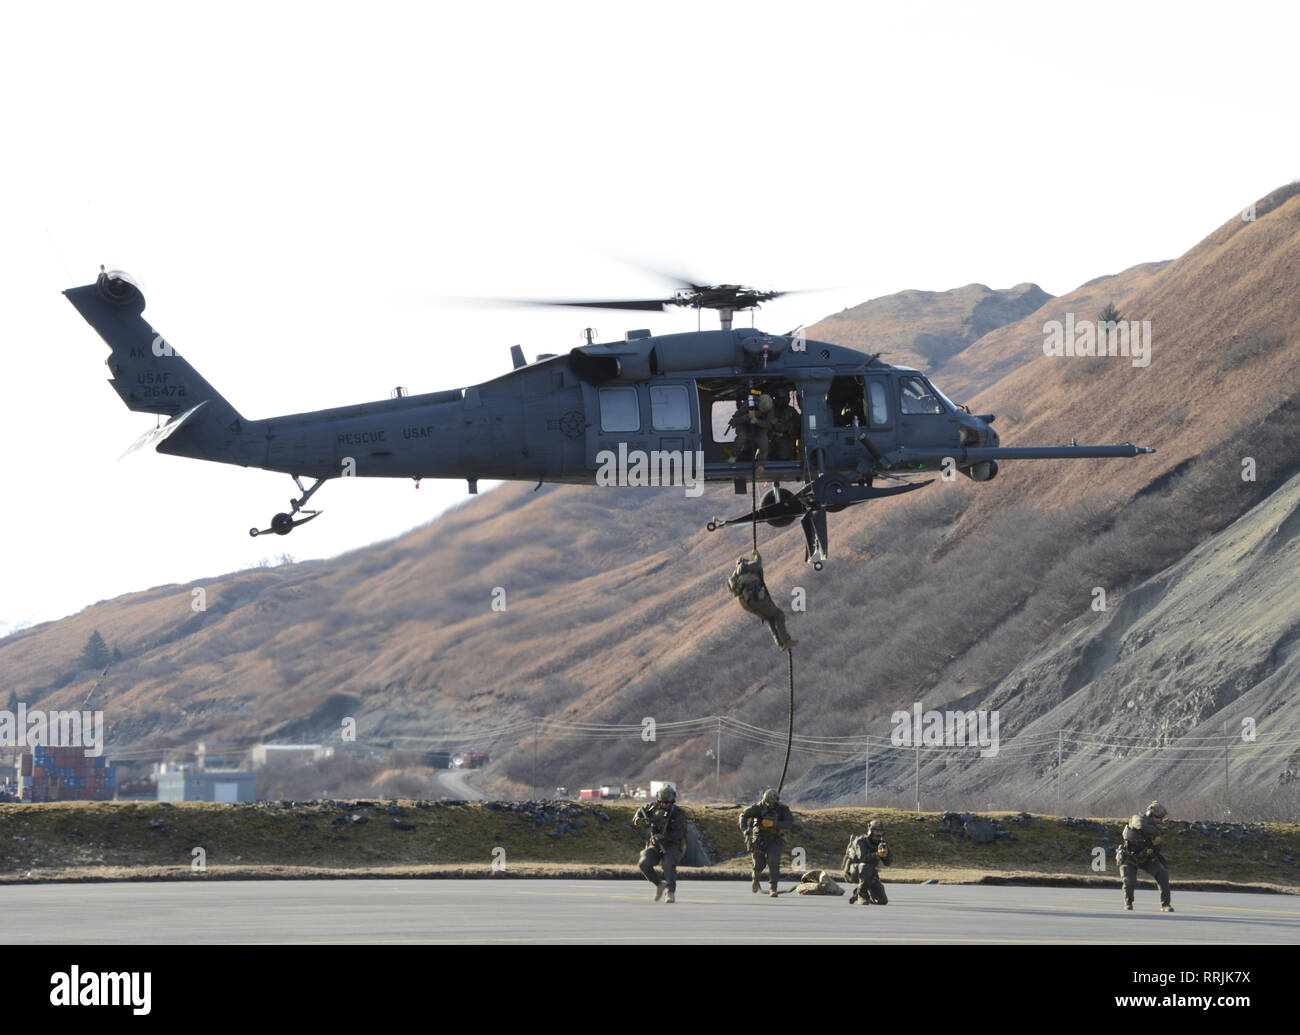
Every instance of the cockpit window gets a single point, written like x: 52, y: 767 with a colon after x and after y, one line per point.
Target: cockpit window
x: 917, y: 397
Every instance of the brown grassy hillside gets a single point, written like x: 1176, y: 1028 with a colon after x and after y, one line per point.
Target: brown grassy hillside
x: 616, y: 604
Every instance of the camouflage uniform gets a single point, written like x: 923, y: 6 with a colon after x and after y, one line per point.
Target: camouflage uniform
x: 785, y: 421
x: 1140, y: 849
x: 753, y: 430
x: 862, y: 859
x: 667, y: 825
x: 747, y: 585
x: 818, y: 882
x: 764, y: 824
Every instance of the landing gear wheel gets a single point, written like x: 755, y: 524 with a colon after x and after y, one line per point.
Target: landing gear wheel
x: 774, y: 496
x: 282, y: 523
x: 712, y: 526
x: 817, y: 565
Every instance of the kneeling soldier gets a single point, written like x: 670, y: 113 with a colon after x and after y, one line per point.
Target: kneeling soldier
x: 865, y: 853
x: 667, y: 826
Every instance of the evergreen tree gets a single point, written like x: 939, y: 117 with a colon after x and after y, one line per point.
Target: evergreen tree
x: 1110, y: 314
x: 95, y: 653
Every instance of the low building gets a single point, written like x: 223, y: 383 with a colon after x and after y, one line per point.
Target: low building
x: 264, y: 753
x: 187, y: 784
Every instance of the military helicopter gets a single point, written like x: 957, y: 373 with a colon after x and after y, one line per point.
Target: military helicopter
x: 665, y: 398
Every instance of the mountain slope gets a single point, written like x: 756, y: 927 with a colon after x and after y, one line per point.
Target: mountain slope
x: 615, y: 604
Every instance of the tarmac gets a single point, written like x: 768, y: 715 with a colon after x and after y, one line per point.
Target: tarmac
x: 507, y: 910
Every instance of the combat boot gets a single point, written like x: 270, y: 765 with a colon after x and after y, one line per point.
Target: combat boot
x: 1166, y: 908
x: 1128, y: 904
x: 773, y: 893
x: 854, y: 897
x: 754, y: 885
x: 672, y: 897
x: 660, y: 888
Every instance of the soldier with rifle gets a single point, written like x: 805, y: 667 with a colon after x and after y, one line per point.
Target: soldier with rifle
x: 666, y: 824
x: 862, y: 859
x: 1140, y: 849
x: 764, y: 825
x: 753, y: 427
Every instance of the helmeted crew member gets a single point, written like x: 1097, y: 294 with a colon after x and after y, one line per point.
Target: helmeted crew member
x: 747, y: 586
x: 1140, y: 849
x: 862, y: 859
x: 753, y: 429
x: 764, y: 825
x: 666, y: 824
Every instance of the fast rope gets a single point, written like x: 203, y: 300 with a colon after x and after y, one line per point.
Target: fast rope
x: 789, y: 654
x: 789, y: 739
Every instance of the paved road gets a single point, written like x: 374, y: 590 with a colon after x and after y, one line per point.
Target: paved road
x: 453, y: 783
x: 572, y: 912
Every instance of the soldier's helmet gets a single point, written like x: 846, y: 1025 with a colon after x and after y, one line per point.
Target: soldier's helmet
x: 1157, y: 810
x: 765, y: 403
x: 770, y: 797
x: 875, y: 825
x: 666, y: 794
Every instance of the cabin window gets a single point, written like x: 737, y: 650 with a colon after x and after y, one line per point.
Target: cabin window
x: 619, y: 410
x: 670, y: 409
x: 917, y: 397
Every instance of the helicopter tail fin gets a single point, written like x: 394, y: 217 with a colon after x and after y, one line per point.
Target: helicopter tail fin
x: 152, y: 377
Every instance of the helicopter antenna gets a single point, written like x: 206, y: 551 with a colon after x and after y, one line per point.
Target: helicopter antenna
x: 589, y: 334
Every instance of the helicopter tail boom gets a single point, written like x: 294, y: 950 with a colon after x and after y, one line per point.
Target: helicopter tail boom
x: 151, y: 377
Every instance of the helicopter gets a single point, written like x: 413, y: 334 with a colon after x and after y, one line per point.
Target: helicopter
x: 664, y: 398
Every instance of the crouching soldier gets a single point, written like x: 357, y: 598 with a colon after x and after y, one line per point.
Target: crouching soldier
x: 764, y: 825
x: 1140, y: 849
x: 666, y: 824
x: 862, y: 859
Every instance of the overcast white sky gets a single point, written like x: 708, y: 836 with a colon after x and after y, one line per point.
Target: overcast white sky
x: 294, y: 183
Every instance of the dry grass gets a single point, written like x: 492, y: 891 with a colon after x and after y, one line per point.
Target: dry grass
x: 109, y: 841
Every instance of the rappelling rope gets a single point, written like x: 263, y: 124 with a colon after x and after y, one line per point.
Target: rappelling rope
x: 789, y: 654
x: 789, y: 740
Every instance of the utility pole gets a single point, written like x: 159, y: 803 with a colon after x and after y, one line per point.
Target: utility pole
x: 1226, y: 804
x: 536, y: 726
x: 916, y: 734
x: 717, y: 762
x: 1059, y: 738
x: 866, y: 776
